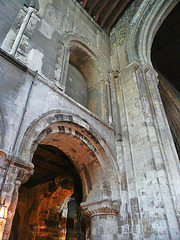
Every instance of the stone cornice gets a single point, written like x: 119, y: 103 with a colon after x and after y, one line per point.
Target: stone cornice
x: 13, y: 60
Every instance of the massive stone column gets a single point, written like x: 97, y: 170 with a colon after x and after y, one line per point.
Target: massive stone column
x: 103, y: 219
x: 151, y: 201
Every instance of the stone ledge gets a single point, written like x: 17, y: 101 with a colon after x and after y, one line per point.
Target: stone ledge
x: 13, y: 60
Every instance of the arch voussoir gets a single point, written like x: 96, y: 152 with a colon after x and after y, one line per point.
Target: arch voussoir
x: 84, y: 146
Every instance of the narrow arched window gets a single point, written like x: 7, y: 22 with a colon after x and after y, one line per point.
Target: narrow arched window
x: 85, y: 82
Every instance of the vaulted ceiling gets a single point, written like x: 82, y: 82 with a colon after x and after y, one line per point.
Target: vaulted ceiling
x: 105, y: 12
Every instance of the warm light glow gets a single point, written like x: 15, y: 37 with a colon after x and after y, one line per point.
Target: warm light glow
x: 3, y: 212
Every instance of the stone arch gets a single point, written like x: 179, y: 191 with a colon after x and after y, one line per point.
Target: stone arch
x: 92, y: 61
x: 70, y: 38
x: 146, y: 23
x: 78, y: 51
x: 97, y: 168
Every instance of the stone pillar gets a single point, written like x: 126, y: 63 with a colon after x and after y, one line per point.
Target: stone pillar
x: 17, y: 174
x: 167, y: 165
x: 103, y: 219
x: 64, y: 69
x: 151, y: 209
x: 11, y: 211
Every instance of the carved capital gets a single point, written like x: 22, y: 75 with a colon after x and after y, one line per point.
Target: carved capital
x: 105, y: 206
x: 24, y: 175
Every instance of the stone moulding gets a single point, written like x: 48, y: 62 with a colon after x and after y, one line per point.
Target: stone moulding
x: 13, y: 60
x: 73, y: 39
x: 101, y: 207
x: 146, y: 23
x: 66, y: 124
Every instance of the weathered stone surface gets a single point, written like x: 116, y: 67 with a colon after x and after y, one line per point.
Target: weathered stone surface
x: 45, y: 215
x: 128, y: 168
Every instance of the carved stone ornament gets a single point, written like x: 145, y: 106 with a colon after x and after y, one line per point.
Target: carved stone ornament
x: 105, y: 206
x: 24, y: 175
x: 32, y: 3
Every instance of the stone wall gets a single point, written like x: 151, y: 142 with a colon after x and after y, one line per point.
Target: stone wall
x: 130, y: 176
x: 143, y: 150
x: 45, y: 46
x: 41, y: 50
x: 57, y: 25
x: 42, y: 211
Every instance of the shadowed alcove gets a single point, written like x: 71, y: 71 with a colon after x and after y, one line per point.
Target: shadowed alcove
x: 48, y: 206
x: 85, y: 80
x: 166, y: 59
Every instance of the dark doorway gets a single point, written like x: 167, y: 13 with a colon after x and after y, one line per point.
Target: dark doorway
x: 48, y: 206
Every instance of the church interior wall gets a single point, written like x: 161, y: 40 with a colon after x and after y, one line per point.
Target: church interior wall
x: 114, y: 122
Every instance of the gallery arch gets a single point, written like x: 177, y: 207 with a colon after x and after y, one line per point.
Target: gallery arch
x: 82, y: 68
x: 87, y: 152
x: 90, y: 88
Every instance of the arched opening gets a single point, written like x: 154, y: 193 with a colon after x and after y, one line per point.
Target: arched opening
x: 85, y: 80
x: 165, y: 58
x: 87, y: 152
x: 49, y: 203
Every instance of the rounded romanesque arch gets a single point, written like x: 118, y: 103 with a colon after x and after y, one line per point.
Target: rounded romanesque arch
x: 86, y: 61
x: 146, y: 23
x: 91, y: 92
x: 71, y: 39
x: 83, y: 145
